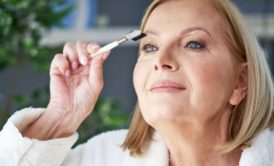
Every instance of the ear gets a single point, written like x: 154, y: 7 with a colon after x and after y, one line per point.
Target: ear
x: 240, y: 90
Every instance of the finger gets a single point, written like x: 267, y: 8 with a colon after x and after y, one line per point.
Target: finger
x: 82, y: 52
x: 106, y: 55
x: 70, y: 52
x: 60, y: 65
x: 92, y: 48
x: 100, y: 59
x: 96, y: 68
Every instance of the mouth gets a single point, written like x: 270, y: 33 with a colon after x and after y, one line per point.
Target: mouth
x: 166, y: 86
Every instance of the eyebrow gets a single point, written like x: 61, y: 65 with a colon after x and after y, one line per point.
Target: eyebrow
x: 183, y: 32
x: 191, y: 29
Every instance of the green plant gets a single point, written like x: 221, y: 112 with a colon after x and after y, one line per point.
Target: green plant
x: 22, y: 26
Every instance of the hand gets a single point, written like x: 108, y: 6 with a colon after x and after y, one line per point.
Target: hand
x: 75, y: 85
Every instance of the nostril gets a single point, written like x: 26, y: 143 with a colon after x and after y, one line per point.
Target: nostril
x: 165, y: 66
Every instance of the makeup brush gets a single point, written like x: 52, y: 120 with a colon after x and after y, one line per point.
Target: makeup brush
x: 132, y: 35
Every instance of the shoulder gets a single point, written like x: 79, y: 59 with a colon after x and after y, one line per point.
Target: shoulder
x: 107, y: 141
x: 115, y: 137
x: 103, y: 149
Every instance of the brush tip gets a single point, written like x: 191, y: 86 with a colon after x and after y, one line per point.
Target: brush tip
x: 142, y: 35
x: 135, y: 35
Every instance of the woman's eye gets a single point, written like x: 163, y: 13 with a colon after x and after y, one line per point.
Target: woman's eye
x: 148, y: 48
x: 195, y: 45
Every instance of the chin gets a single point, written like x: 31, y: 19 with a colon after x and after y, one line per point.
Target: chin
x: 161, y: 113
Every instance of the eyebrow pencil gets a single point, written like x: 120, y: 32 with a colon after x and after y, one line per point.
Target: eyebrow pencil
x: 132, y: 35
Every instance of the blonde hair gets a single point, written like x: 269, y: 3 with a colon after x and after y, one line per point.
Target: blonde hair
x: 254, y: 114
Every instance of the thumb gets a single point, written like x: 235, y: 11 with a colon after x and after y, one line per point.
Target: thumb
x: 96, y: 69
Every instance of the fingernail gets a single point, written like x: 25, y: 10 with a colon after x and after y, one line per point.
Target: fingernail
x: 94, y: 48
x: 83, y: 60
x: 74, y: 65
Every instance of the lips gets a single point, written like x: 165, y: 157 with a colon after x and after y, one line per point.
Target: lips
x: 166, y: 86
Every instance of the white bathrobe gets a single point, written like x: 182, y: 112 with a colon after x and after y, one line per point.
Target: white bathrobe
x: 102, y: 150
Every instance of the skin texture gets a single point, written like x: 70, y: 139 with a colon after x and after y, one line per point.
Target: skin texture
x: 187, y: 81
x: 75, y: 85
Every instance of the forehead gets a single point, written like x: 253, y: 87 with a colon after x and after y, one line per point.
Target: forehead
x: 178, y: 14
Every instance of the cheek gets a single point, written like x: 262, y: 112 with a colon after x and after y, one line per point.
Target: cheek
x: 207, y: 75
x: 211, y: 82
x: 140, y: 75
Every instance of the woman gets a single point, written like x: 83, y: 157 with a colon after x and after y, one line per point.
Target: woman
x: 205, y: 97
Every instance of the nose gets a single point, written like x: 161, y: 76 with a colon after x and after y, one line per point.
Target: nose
x: 165, y: 60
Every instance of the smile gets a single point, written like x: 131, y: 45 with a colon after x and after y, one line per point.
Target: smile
x: 166, y: 86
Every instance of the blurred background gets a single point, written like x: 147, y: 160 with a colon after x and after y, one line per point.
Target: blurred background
x: 33, y: 31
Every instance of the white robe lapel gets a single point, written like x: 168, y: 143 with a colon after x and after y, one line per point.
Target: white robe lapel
x: 261, y: 153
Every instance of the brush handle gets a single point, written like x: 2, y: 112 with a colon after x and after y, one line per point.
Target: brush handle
x: 106, y: 48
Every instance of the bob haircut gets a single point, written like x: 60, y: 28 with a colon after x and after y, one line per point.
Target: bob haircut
x: 254, y: 114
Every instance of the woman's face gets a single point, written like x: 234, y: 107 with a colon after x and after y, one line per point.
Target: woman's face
x: 185, y: 70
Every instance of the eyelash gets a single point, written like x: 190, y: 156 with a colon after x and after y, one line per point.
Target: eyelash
x: 143, y: 48
x: 199, y: 45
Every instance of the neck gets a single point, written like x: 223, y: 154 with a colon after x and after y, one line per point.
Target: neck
x: 203, y: 157
x: 196, y: 144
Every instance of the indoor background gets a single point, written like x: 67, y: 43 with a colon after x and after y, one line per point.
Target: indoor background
x: 24, y: 79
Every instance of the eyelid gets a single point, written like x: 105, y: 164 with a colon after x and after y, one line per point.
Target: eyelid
x: 146, y: 42
x: 142, y: 49
x: 196, y: 41
x: 184, y: 42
